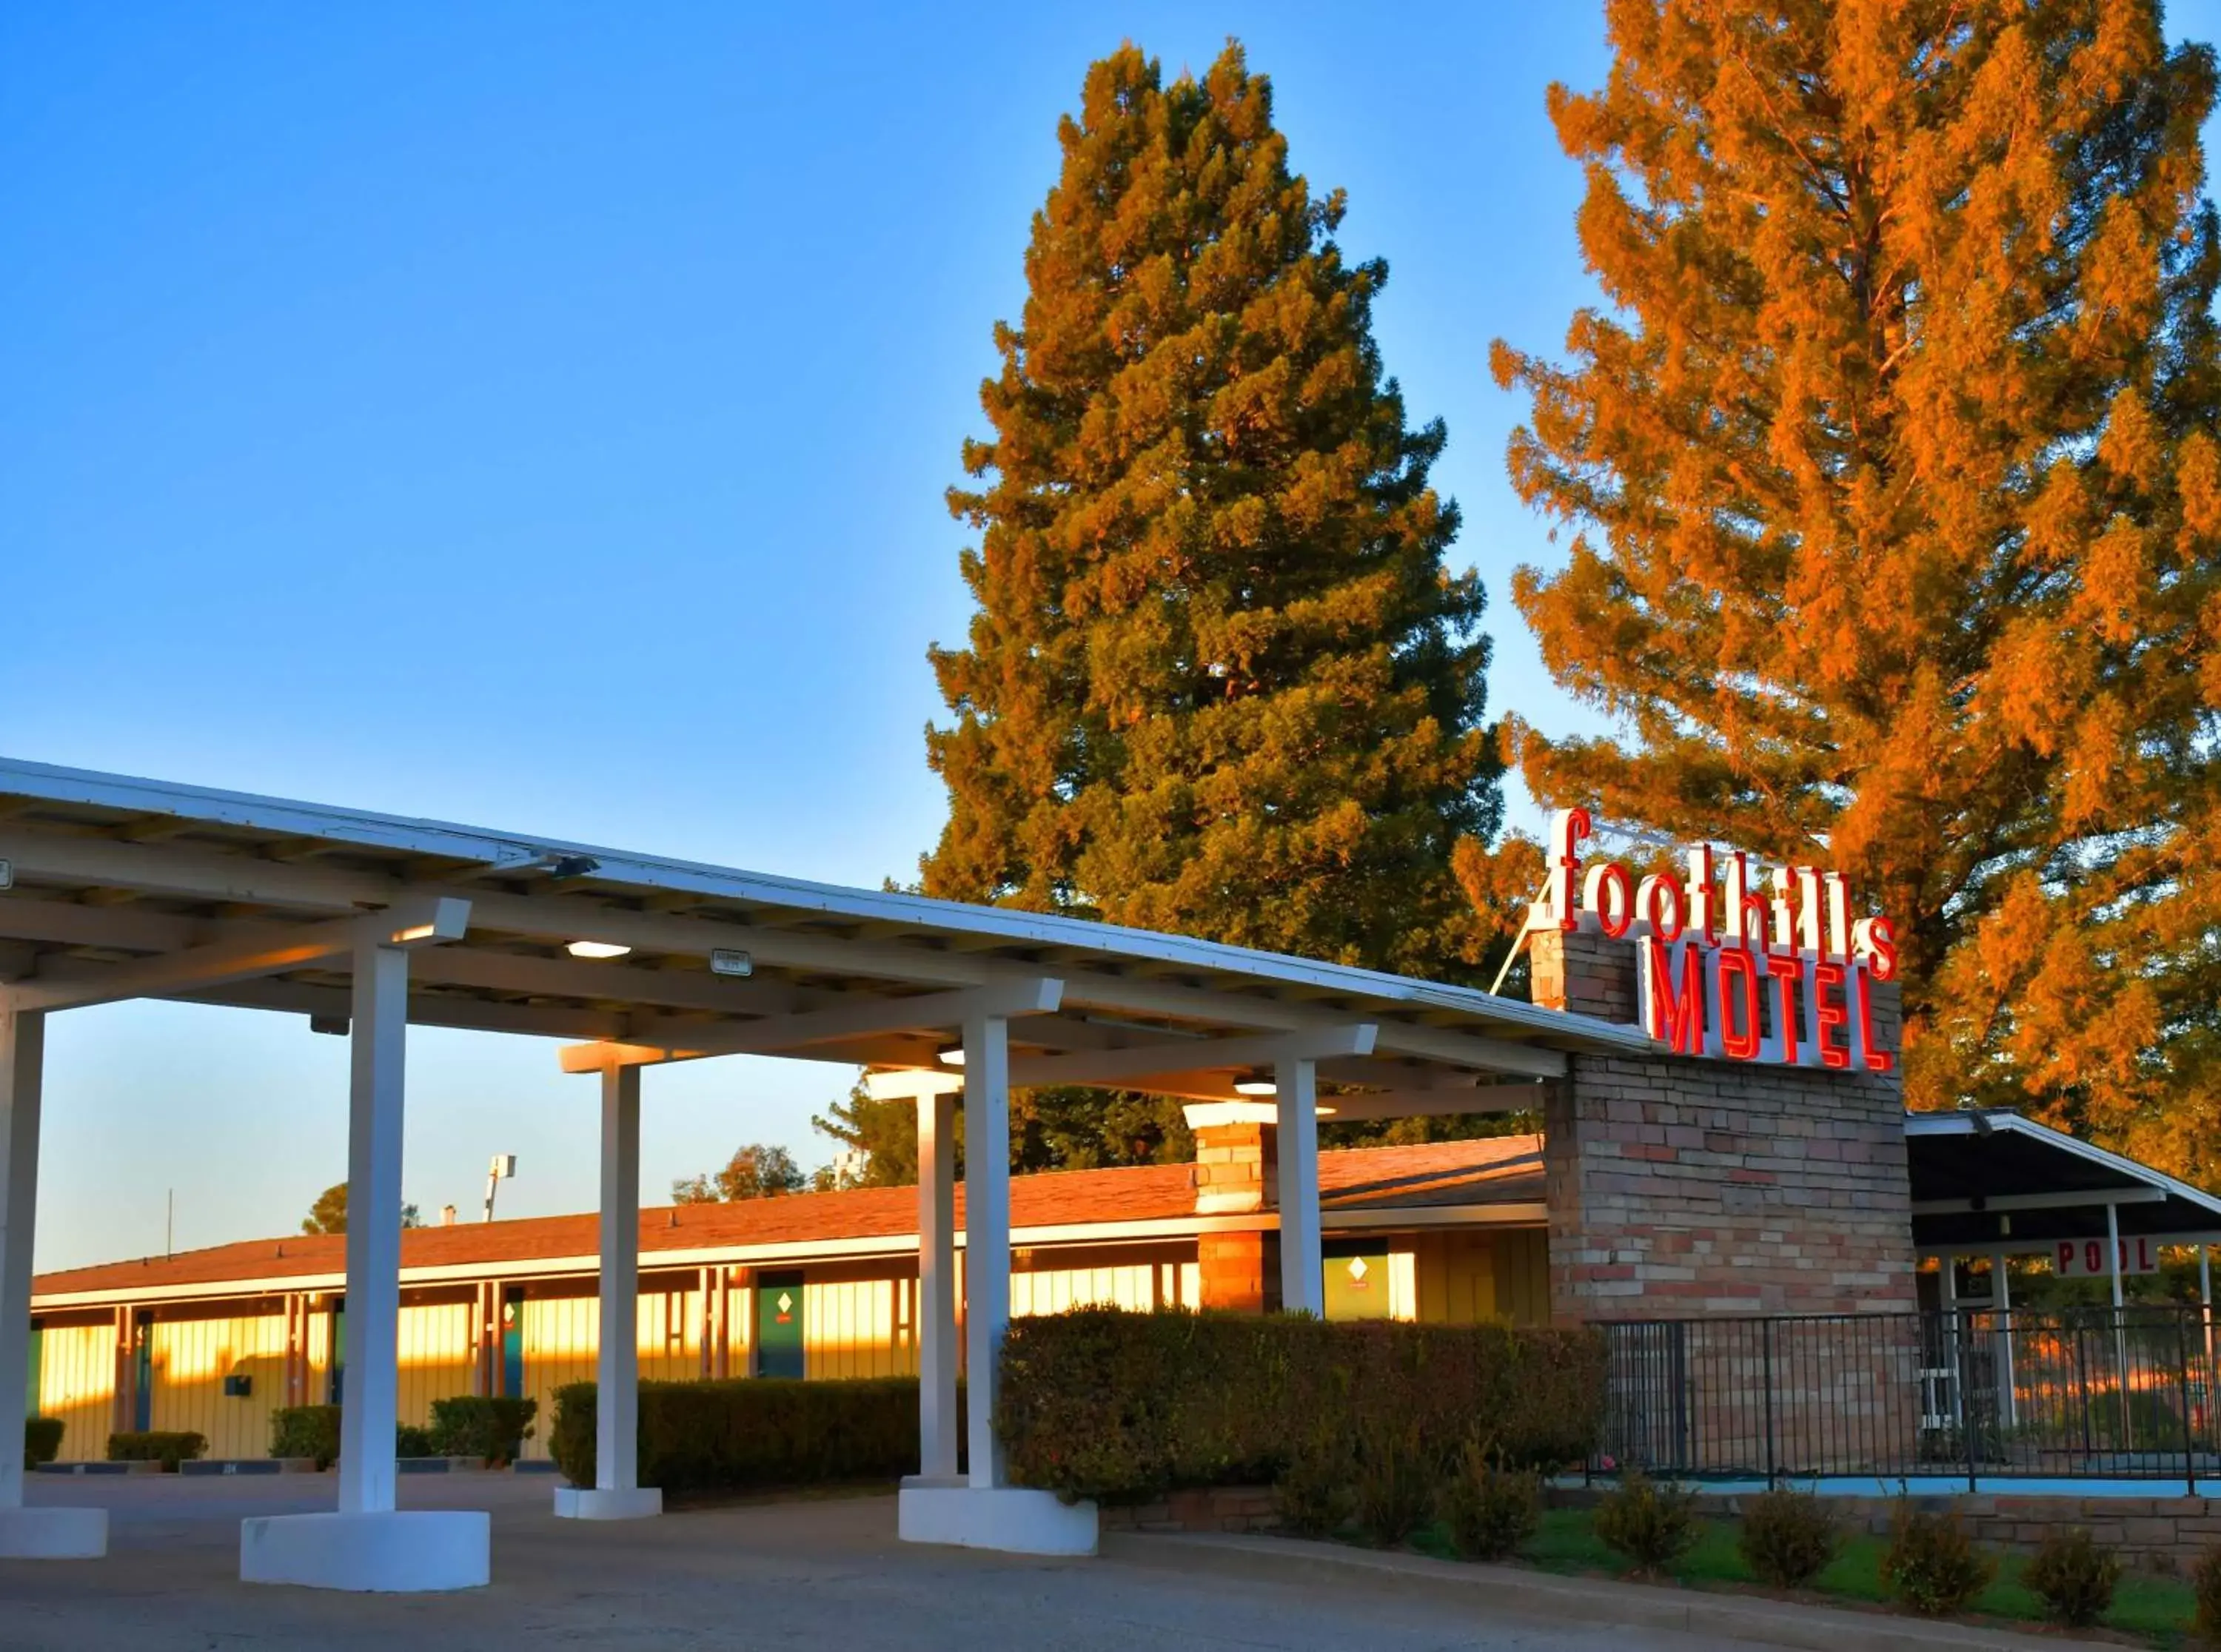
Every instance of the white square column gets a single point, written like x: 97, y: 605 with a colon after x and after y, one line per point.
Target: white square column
x: 617, y: 1494
x: 936, y: 1286
x: 26, y: 1534
x: 981, y: 1510
x: 367, y: 1546
x: 1303, y: 1274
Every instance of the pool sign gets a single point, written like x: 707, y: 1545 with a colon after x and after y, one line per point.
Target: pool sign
x: 2086, y: 1258
x: 1717, y: 950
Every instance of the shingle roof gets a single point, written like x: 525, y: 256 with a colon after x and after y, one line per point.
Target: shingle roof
x: 1500, y: 1170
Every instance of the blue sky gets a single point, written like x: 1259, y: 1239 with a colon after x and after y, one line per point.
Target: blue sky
x: 538, y: 416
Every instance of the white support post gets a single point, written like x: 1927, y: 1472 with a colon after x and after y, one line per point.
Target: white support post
x: 2001, y: 1312
x: 617, y: 1494
x: 2120, y: 1327
x: 979, y: 1510
x: 986, y: 1235
x: 1303, y: 1273
x: 935, y: 1307
x: 367, y: 1546
x: 26, y: 1534
x: 2205, y: 1305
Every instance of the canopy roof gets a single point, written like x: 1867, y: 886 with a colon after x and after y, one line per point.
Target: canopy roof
x: 131, y: 887
x: 1990, y: 1181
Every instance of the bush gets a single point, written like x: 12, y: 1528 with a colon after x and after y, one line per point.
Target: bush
x: 1314, y: 1492
x: 42, y: 1440
x: 1788, y: 1537
x: 2206, y: 1586
x: 753, y: 1433
x: 167, y: 1447
x: 311, y: 1431
x: 1489, y: 1509
x: 1394, y: 1492
x: 2074, y: 1574
x: 1933, y: 1567
x: 410, y: 1440
x: 1121, y: 1407
x: 1652, y: 1524
x: 491, y: 1428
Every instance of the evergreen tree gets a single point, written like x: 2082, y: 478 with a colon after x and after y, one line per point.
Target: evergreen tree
x: 1896, y: 505
x: 1220, y: 681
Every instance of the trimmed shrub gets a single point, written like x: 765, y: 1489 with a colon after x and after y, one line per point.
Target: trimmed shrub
x: 1788, y: 1537
x: 1394, y: 1492
x: 165, y: 1446
x: 311, y: 1431
x: 492, y: 1427
x: 1933, y: 1567
x: 1314, y: 1492
x: 1121, y: 1407
x: 753, y: 1433
x: 410, y: 1440
x: 2206, y: 1587
x: 42, y: 1440
x: 2075, y: 1575
x: 1489, y: 1509
x: 1652, y: 1524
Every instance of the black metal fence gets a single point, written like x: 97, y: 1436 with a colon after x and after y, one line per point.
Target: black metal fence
x: 2106, y: 1393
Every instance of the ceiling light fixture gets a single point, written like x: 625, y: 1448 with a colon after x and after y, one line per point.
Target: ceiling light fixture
x: 952, y: 1057
x: 596, y: 950
x: 1255, y: 1086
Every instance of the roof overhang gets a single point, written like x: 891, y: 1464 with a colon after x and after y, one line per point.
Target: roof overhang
x: 1992, y: 1181
x: 118, y: 885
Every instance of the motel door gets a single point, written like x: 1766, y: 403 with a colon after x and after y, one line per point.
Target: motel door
x: 778, y: 1325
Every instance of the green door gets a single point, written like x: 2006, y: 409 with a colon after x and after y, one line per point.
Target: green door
x: 778, y: 1325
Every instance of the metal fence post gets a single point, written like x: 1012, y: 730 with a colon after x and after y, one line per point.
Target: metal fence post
x: 1766, y: 1342
x: 1966, y: 1410
x: 2182, y: 1392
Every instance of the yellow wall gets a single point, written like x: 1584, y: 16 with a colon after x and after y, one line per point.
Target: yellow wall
x: 859, y: 1327
x: 76, y: 1383
x: 435, y: 1357
x: 190, y: 1358
x: 1467, y: 1278
x: 562, y: 1340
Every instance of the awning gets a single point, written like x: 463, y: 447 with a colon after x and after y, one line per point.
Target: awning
x: 1992, y: 1181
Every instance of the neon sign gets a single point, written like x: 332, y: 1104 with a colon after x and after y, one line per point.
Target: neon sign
x: 1718, y: 951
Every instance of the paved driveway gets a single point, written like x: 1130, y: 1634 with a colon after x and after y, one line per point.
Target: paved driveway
x: 826, y: 1575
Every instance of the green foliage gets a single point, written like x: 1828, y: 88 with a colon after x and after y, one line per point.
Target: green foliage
x: 168, y: 1447
x: 1489, y: 1510
x: 1788, y: 1537
x: 491, y: 1428
x: 311, y: 1431
x: 1221, y: 680
x: 411, y: 1441
x: 1055, y: 1128
x: 42, y: 1440
x: 1105, y: 1404
x: 2205, y: 1585
x: 753, y: 1433
x: 2075, y: 1575
x: 1393, y: 1494
x: 328, y: 1214
x: 1650, y: 1524
x: 1314, y: 1492
x: 1933, y: 1567
x: 756, y: 1170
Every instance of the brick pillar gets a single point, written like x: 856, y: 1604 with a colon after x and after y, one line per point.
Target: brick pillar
x: 1237, y: 1173
x: 1680, y: 1186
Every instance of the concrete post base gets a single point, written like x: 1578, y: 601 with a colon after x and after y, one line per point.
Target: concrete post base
x: 53, y: 1534
x: 640, y: 1503
x: 1007, y: 1517
x: 391, y: 1553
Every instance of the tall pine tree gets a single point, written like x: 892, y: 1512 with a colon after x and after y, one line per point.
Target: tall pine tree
x: 1896, y: 505
x: 1220, y: 681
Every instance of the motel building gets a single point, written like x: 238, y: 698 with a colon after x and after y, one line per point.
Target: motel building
x: 1726, y: 1181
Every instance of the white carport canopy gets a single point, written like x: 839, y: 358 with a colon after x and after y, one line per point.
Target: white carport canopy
x: 113, y: 888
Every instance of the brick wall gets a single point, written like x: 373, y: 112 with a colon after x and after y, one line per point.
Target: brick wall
x: 1681, y: 1187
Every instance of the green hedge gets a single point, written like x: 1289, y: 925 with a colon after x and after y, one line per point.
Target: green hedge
x: 1105, y: 1404
x: 42, y: 1440
x: 311, y: 1431
x: 168, y: 1447
x: 491, y: 1427
x: 753, y: 1433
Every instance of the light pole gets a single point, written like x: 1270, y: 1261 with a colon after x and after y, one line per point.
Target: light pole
x: 503, y: 1166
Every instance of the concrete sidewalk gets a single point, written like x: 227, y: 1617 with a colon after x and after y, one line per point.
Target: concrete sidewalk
x: 795, y: 1574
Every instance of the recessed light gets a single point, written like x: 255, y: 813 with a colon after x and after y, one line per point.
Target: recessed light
x: 952, y: 1057
x: 596, y: 950
x: 1255, y: 1086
